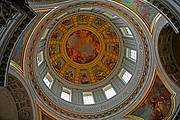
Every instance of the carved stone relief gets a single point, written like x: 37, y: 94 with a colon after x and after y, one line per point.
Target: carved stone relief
x: 7, y: 11
x: 168, y: 11
x: 166, y: 54
x: 21, y: 98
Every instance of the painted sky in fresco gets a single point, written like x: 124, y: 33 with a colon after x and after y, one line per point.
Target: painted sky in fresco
x: 147, y: 12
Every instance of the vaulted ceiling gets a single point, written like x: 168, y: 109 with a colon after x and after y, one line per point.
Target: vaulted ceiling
x: 89, y: 59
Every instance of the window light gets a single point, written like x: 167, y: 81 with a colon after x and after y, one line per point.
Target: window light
x: 130, y: 53
x: 133, y: 54
x: 40, y: 58
x: 110, y: 15
x: 88, y: 98
x: 88, y: 8
x: 48, y: 80
x: 109, y: 91
x: 45, y: 34
x: 128, y: 31
x: 66, y: 94
x: 125, y: 75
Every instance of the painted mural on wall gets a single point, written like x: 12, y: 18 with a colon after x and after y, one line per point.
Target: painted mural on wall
x: 147, y: 12
x: 158, y: 103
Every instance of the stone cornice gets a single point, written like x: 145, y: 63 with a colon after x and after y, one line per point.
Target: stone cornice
x: 105, y: 111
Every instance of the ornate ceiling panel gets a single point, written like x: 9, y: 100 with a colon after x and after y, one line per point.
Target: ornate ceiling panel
x: 72, y: 66
x: 83, y: 48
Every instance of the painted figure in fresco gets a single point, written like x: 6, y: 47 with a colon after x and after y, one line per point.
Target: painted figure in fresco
x: 67, y: 22
x: 57, y: 65
x: 53, y: 50
x: 98, y: 22
x: 83, y: 18
x: 69, y: 75
x: 82, y: 46
x: 110, y: 33
x: 56, y: 34
x: 98, y: 73
x: 109, y: 62
x: 146, y: 11
x: 84, y: 79
x: 113, y: 48
x: 157, y: 105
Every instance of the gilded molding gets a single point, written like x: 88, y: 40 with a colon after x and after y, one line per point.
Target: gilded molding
x: 109, y: 111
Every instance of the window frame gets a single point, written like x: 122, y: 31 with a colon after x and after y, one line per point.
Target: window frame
x: 129, y: 55
x: 40, y: 58
x: 48, y: 77
x: 88, y: 98
x: 66, y: 91
x: 109, y: 89
x: 124, y: 75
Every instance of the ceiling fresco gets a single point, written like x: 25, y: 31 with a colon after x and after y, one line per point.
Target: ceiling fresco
x: 143, y: 9
x: 158, y: 103
x: 83, y: 49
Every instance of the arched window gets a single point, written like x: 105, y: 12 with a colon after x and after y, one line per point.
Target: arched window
x: 48, y: 80
x: 125, y: 75
x: 109, y: 91
x: 88, y: 98
x: 40, y: 58
x: 66, y: 94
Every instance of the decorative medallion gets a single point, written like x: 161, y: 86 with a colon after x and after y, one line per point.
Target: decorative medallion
x: 83, y: 48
